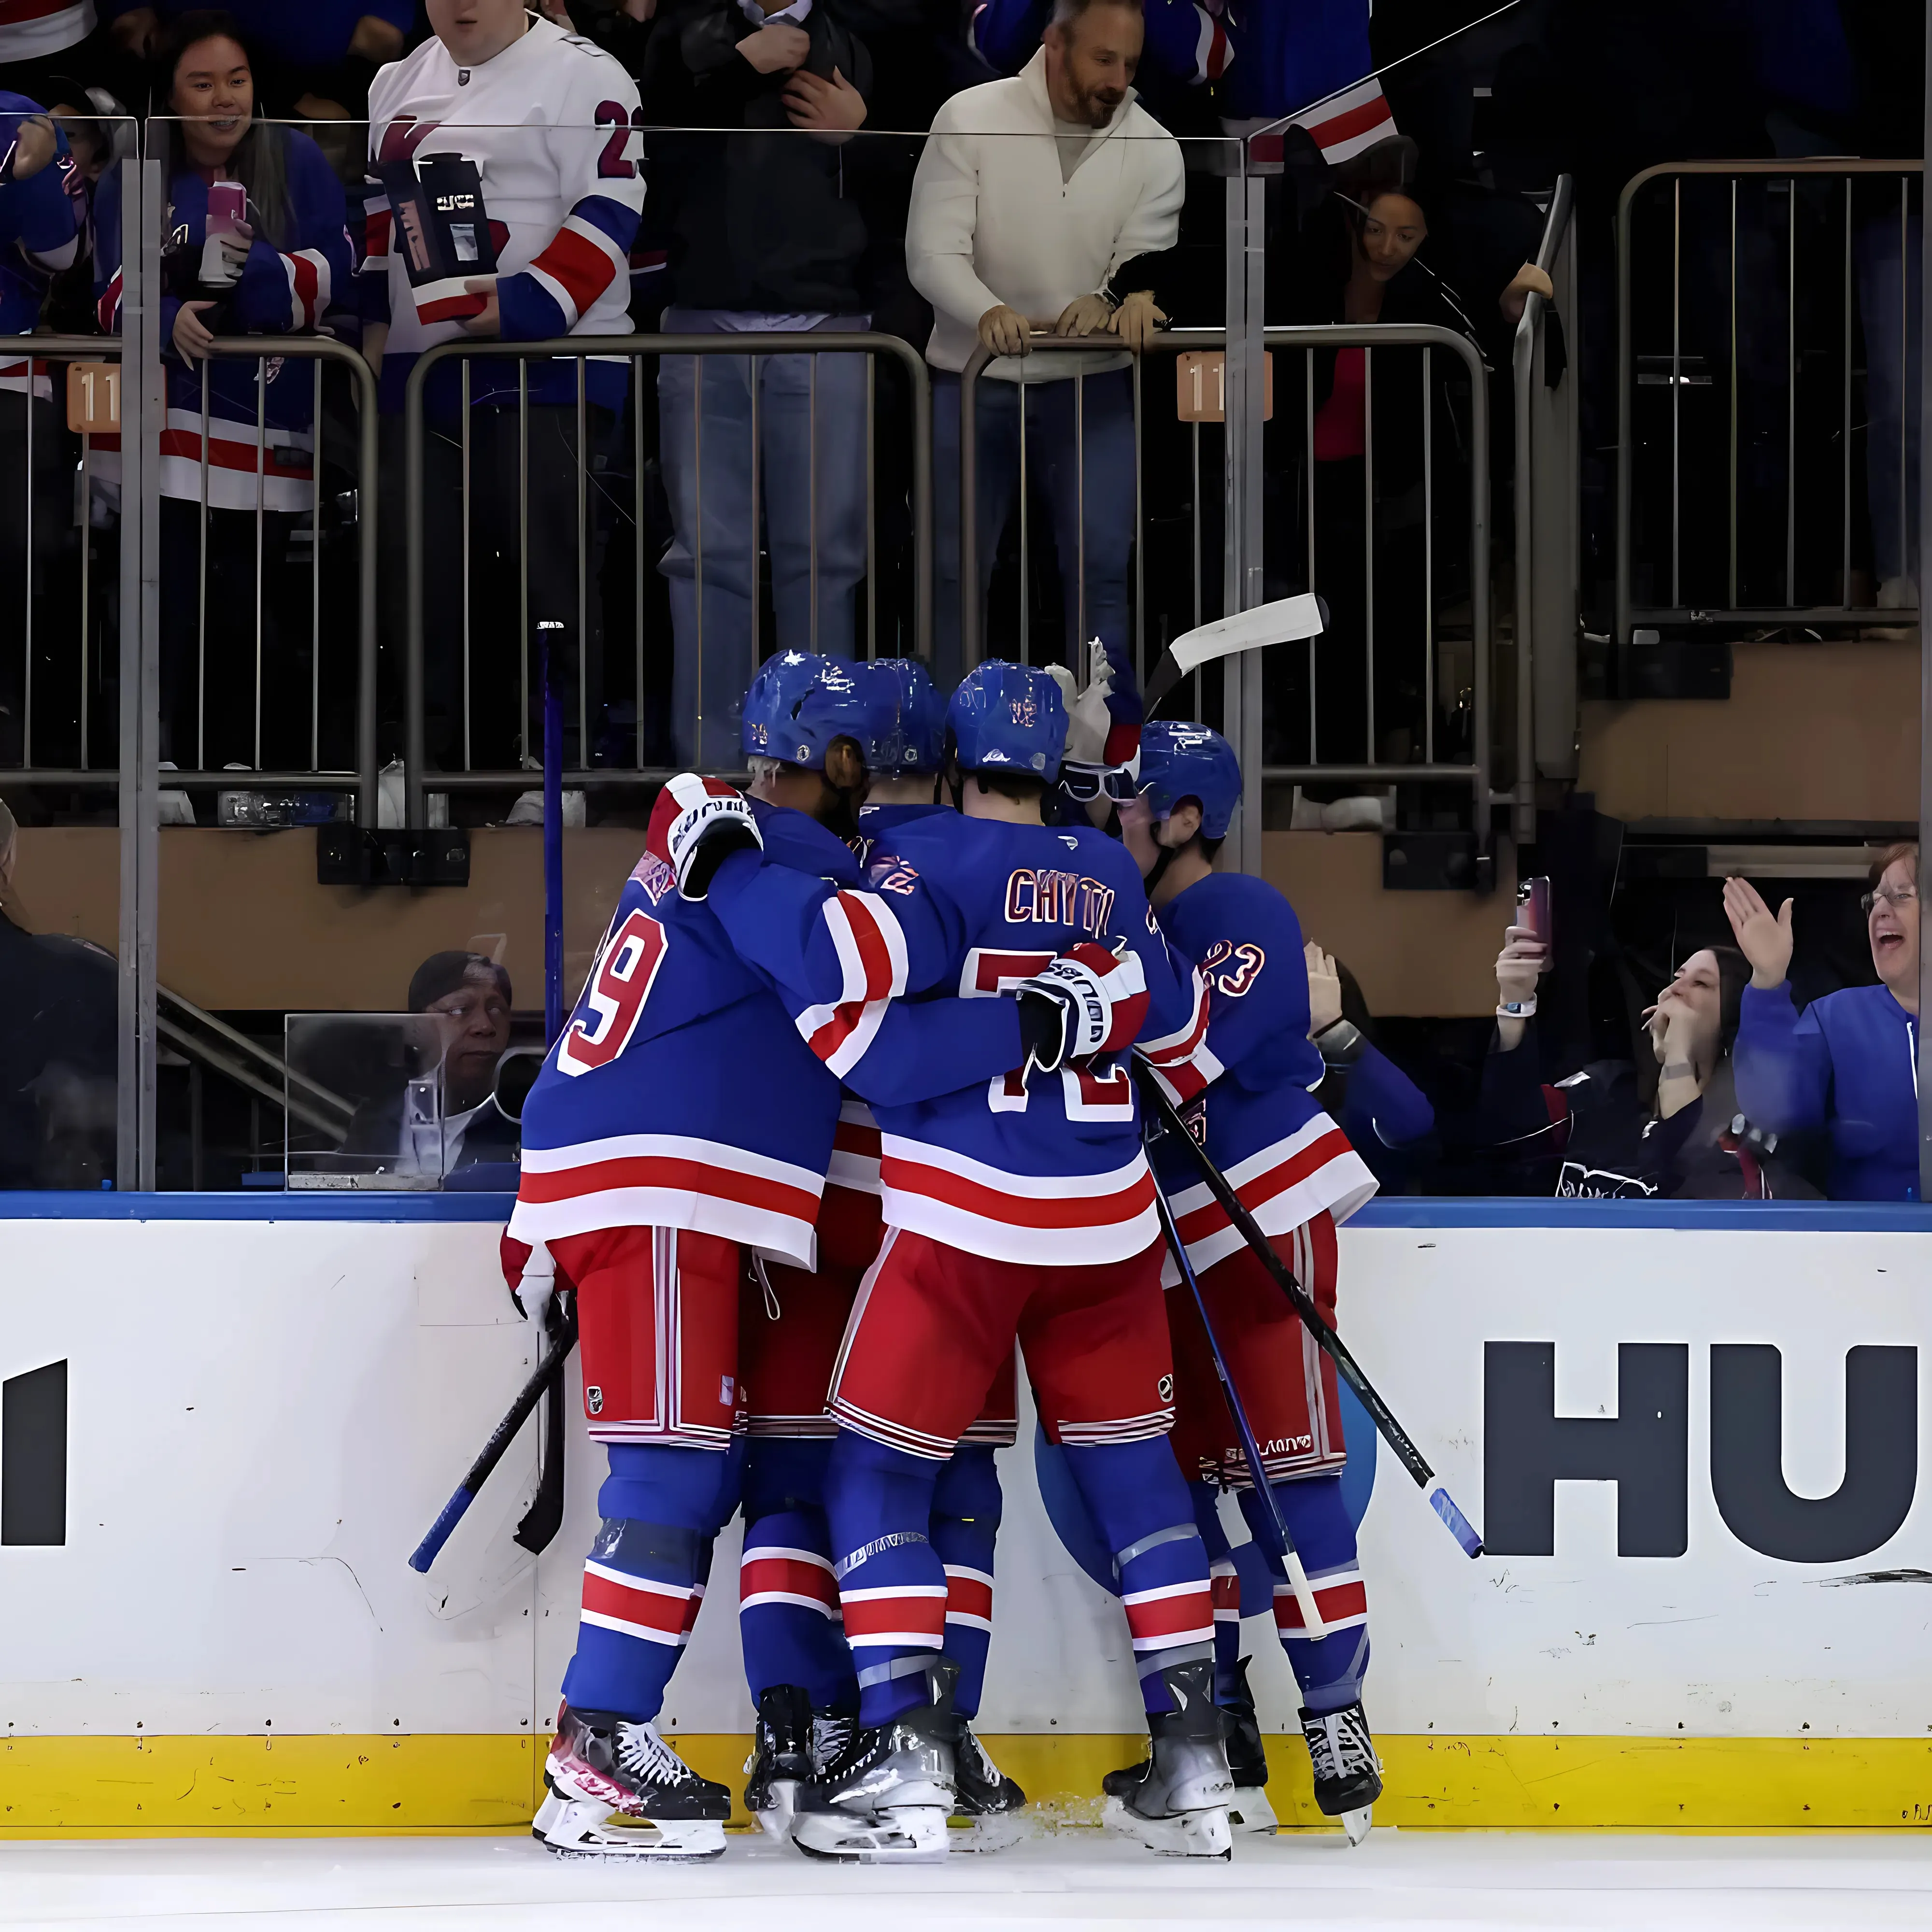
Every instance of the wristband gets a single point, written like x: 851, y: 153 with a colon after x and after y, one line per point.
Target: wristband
x: 1516, y: 1009
x: 1340, y: 1043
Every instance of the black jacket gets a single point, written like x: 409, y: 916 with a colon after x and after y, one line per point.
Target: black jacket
x: 758, y: 219
x: 58, y: 1061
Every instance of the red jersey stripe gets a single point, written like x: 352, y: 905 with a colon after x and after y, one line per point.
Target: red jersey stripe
x: 1086, y: 1210
x: 672, y: 1173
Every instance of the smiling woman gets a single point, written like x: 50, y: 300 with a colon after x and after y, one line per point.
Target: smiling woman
x: 1849, y: 1062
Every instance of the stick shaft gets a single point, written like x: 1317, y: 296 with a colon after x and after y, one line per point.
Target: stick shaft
x: 501, y: 1437
x: 1290, y: 1558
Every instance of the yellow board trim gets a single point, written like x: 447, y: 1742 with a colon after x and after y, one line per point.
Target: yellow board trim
x: 403, y: 1786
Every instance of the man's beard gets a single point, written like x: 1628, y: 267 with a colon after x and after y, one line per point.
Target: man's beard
x: 1095, y: 111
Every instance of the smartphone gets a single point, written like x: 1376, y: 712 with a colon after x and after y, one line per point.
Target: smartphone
x: 1532, y: 907
x: 227, y: 207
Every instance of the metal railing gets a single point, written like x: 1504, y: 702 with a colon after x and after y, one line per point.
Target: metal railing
x: 199, y: 776
x: 1684, y: 370
x: 1547, y: 492
x: 578, y: 350
x: 1476, y: 772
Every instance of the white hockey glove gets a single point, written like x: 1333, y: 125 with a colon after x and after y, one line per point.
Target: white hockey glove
x: 537, y: 1289
x: 1086, y: 772
x: 712, y: 821
x: 1085, y: 1002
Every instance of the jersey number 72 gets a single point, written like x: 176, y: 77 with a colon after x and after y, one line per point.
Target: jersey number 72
x: 614, y: 1000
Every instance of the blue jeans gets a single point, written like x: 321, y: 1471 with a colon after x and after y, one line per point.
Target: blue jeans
x: 1054, y: 462
x: 814, y: 519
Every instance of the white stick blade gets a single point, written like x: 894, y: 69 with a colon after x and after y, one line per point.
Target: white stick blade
x: 1277, y: 623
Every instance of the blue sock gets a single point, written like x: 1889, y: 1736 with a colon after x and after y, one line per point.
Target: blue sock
x: 1140, y: 1503
x: 1329, y: 1672
x: 1226, y: 1584
x: 788, y: 1623
x: 645, y: 1576
x: 966, y: 1504
x: 891, y: 1584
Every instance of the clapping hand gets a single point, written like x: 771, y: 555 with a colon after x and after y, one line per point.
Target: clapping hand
x: 1766, y: 941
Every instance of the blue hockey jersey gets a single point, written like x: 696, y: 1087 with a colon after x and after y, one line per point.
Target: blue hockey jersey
x: 40, y: 223
x: 1049, y: 1173
x: 289, y: 284
x: 1285, y: 1158
x: 682, y: 1094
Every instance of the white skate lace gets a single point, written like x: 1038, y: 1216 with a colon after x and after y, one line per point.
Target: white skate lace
x: 647, y: 1757
x: 829, y: 1737
x: 1339, y: 1745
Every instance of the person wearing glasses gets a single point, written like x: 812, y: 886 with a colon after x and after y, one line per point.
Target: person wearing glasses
x: 1848, y: 1064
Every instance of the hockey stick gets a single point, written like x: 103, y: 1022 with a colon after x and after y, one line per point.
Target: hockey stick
x: 1312, y: 1625
x: 548, y: 1371
x: 1330, y: 1344
x: 1287, y: 618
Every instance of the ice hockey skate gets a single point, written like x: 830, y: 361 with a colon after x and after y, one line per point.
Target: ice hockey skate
x: 989, y: 1802
x: 1247, y: 1762
x: 886, y: 1799
x: 782, y: 1758
x: 617, y: 1790
x: 1175, y: 1802
x: 1347, y: 1773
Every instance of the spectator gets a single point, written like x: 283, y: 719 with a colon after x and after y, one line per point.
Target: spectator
x: 1360, y: 260
x: 279, y: 271
x: 39, y: 37
x: 317, y: 56
x: 763, y: 235
x: 1849, y: 1062
x: 543, y: 117
x: 42, y: 209
x: 1030, y: 194
x: 58, y: 1050
x: 469, y: 994
x: 1666, y: 1126
x: 1385, y: 1114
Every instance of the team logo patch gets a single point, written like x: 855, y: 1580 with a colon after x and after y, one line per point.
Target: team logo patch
x: 1167, y: 1388
x: 593, y: 1399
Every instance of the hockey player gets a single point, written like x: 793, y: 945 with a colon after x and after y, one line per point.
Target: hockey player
x: 1019, y: 1208
x: 798, y: 1667
x: 1295, y: 1171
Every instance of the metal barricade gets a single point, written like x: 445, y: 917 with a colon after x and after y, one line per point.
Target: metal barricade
x: 1476, y: 772
x: 579, y: 350
x: 1547, y: 491
x: 197, y: 774
x: 1683, y: 369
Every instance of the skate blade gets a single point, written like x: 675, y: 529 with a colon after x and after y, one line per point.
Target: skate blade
x: 901, y: 1835
x: 1249, y: 1810
x: 994, y: 1832
x: 1357, y: 1823
x: 776, y: 1820
x: 1204, y: 1833
x: 573, y: 1828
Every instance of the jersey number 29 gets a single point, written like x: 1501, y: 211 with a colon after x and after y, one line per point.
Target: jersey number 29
x: 614, y: 1001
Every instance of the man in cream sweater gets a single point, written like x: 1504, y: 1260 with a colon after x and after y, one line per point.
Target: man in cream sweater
x: 1032, y: 195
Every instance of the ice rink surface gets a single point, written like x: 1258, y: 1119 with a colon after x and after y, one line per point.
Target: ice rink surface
x: 1073, y: 1878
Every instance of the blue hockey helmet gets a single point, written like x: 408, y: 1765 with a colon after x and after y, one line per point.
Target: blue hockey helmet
x: 905, y: 729
x: 798, y: 703
x: 1007, y: 717
x: 1179, y: 761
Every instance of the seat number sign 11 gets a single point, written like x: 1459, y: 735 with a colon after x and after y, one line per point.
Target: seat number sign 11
x: 94, y: 398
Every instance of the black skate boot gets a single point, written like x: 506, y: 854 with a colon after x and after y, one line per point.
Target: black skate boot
x: 1247, y: 1761
x: 886, y: 1798
x: 988, y: 1799
x: 781, y: 1757
x: 617, y: 1790
x: 1176, y: 1801
x: 1348, y: 1775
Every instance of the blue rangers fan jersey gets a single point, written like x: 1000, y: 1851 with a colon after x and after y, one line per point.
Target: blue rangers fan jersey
x: 681, y: 1094
x: 1284, y: 1156
x: 1049, y: 1171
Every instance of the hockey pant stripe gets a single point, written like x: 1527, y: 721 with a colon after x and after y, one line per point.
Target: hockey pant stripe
x: 1341, y: 1599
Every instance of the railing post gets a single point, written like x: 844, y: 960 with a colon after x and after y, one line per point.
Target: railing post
x: 1244, y: 395
x: 143, y: 404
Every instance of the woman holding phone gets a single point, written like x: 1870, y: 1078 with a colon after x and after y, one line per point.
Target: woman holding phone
x: 1666, y: 1124
x: 254, y: 243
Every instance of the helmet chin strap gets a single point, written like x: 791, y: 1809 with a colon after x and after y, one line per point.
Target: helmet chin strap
x: 1164, y: 857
